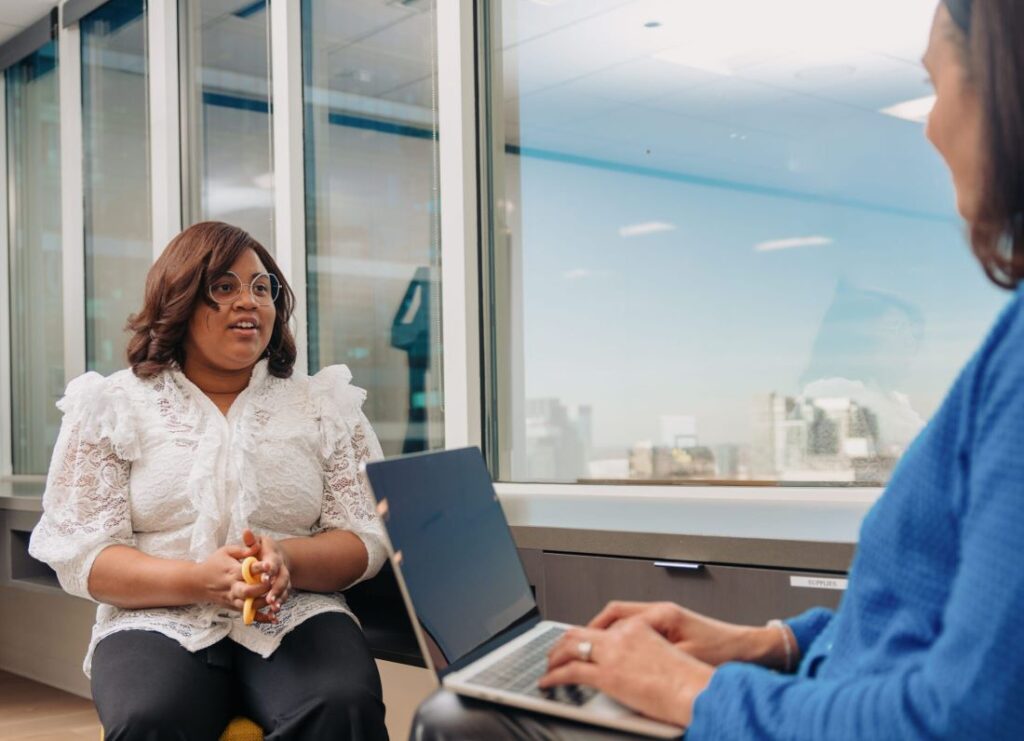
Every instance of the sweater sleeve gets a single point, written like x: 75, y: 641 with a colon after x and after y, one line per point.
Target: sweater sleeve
x: 808, y: 625
x: 969, y: 682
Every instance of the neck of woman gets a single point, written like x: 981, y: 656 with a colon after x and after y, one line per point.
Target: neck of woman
x: 214, y: 381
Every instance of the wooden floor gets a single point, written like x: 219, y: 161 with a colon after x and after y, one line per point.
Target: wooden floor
x: 29, y: 710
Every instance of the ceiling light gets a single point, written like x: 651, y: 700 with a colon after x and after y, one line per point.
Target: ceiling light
x: 648, y: 227
x: 916, y: 110
x: 786, y: 244
x: 826, y: 72
x: 691, y: 56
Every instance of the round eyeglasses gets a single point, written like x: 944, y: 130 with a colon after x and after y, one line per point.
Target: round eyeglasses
x: 263, y: 288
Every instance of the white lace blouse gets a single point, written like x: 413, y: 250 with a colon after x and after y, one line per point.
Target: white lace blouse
x: 155, y: 465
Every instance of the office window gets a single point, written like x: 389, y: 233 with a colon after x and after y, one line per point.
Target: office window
x: 225, y: 77
x: 115, y: 129
x: 36, y: 314
x: 721, y: 248
x: 372, y: 208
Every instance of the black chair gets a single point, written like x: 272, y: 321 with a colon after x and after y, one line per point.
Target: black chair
x: 380, y: 608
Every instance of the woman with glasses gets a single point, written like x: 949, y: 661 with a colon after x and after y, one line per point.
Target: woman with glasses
x: 208, y: 450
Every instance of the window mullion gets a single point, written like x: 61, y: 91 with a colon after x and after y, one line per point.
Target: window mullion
x: 289, y: 184
x: 6, y: 429
x: 72, y: 203
x: 164, y: 121
x: 460, y: 308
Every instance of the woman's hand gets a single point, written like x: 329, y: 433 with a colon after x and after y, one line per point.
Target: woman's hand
x: 711, y: 641
x: 221, y: 582
x: 274, y: 568
x: 634, y: 664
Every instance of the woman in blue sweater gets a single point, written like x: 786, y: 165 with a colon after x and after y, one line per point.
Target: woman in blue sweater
x: 927, y: 643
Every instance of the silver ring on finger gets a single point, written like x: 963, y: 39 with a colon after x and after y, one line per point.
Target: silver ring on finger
x: 584, y: 649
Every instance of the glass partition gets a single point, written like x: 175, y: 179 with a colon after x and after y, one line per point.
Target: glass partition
x: 115, y: 159
x: 34, y: 217
x: 372, y: 218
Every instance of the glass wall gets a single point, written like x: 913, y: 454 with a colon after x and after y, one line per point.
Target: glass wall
x: 225, y: 77
x: 34, y: 213
x: 727, y: 249
x: 115, y: 150
x: 372, y: 208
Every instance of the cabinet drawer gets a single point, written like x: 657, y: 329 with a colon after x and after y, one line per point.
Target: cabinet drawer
x: 576, y: 587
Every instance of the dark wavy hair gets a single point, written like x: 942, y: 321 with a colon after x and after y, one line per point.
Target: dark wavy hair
x: 991, y: 36
x: 176, y: 284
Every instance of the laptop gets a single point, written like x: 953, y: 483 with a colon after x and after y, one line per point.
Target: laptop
x: 468, y: 598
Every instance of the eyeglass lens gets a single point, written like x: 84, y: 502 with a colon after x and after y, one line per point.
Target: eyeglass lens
x: 227, y: 288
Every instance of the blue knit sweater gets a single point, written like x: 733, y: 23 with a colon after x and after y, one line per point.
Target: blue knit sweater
x: 928, y: 642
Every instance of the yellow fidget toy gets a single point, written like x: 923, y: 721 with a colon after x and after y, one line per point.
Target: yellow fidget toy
x: 249, y: 610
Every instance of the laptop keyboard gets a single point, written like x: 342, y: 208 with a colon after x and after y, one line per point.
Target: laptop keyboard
x: 519, y: 671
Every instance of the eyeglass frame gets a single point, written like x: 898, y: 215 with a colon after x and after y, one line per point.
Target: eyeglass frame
x: 275, y: 287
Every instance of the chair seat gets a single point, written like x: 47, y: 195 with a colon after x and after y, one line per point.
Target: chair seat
x: 242, y: 729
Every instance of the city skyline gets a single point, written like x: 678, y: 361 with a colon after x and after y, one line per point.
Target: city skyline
x: 805, y: 439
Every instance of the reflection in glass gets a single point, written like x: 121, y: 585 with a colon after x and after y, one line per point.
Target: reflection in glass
x: 225, y: 73
x: 371, y: 209
x: 115, y: 157
x: 33, y: 171
x: 723, y: 245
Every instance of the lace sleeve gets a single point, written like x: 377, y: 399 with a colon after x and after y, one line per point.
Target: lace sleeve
x: 348, y: 503
x: 86, y: 503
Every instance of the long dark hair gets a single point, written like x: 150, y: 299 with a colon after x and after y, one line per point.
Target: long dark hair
x: 994, y: 46
x: 176, y: 284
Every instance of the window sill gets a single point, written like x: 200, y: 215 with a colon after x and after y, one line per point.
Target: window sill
x: 22, y: 493
x: 821, y: 515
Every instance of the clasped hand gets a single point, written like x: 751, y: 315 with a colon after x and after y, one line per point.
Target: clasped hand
x: 223, y: 583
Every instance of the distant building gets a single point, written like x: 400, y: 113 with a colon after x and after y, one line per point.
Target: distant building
x: 727, y: 461
x: 828, y: 439
x: 554, y: 449
x: 649, y: 461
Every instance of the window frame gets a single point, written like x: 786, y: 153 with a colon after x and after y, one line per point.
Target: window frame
x: 286, y: 136
x: 164, y: 122
x: 72, y: 187
x: 461, y: 196
x: 34, y: 37
x: 6, y: 369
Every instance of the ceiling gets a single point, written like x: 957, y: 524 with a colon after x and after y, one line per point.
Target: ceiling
x: 788, y: 94
x: 380, y: 49
x: 16, y: 15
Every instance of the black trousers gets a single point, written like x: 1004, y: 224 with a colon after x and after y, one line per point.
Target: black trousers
x: 320, y: 683
x: 444, y: 716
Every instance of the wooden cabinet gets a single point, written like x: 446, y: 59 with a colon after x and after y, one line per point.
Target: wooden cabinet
x: 575, y: 587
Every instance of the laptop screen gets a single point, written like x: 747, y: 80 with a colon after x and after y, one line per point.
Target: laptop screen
x: 457, y: 558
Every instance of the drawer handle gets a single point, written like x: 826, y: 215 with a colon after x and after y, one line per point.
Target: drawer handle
x: 683, y: 565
